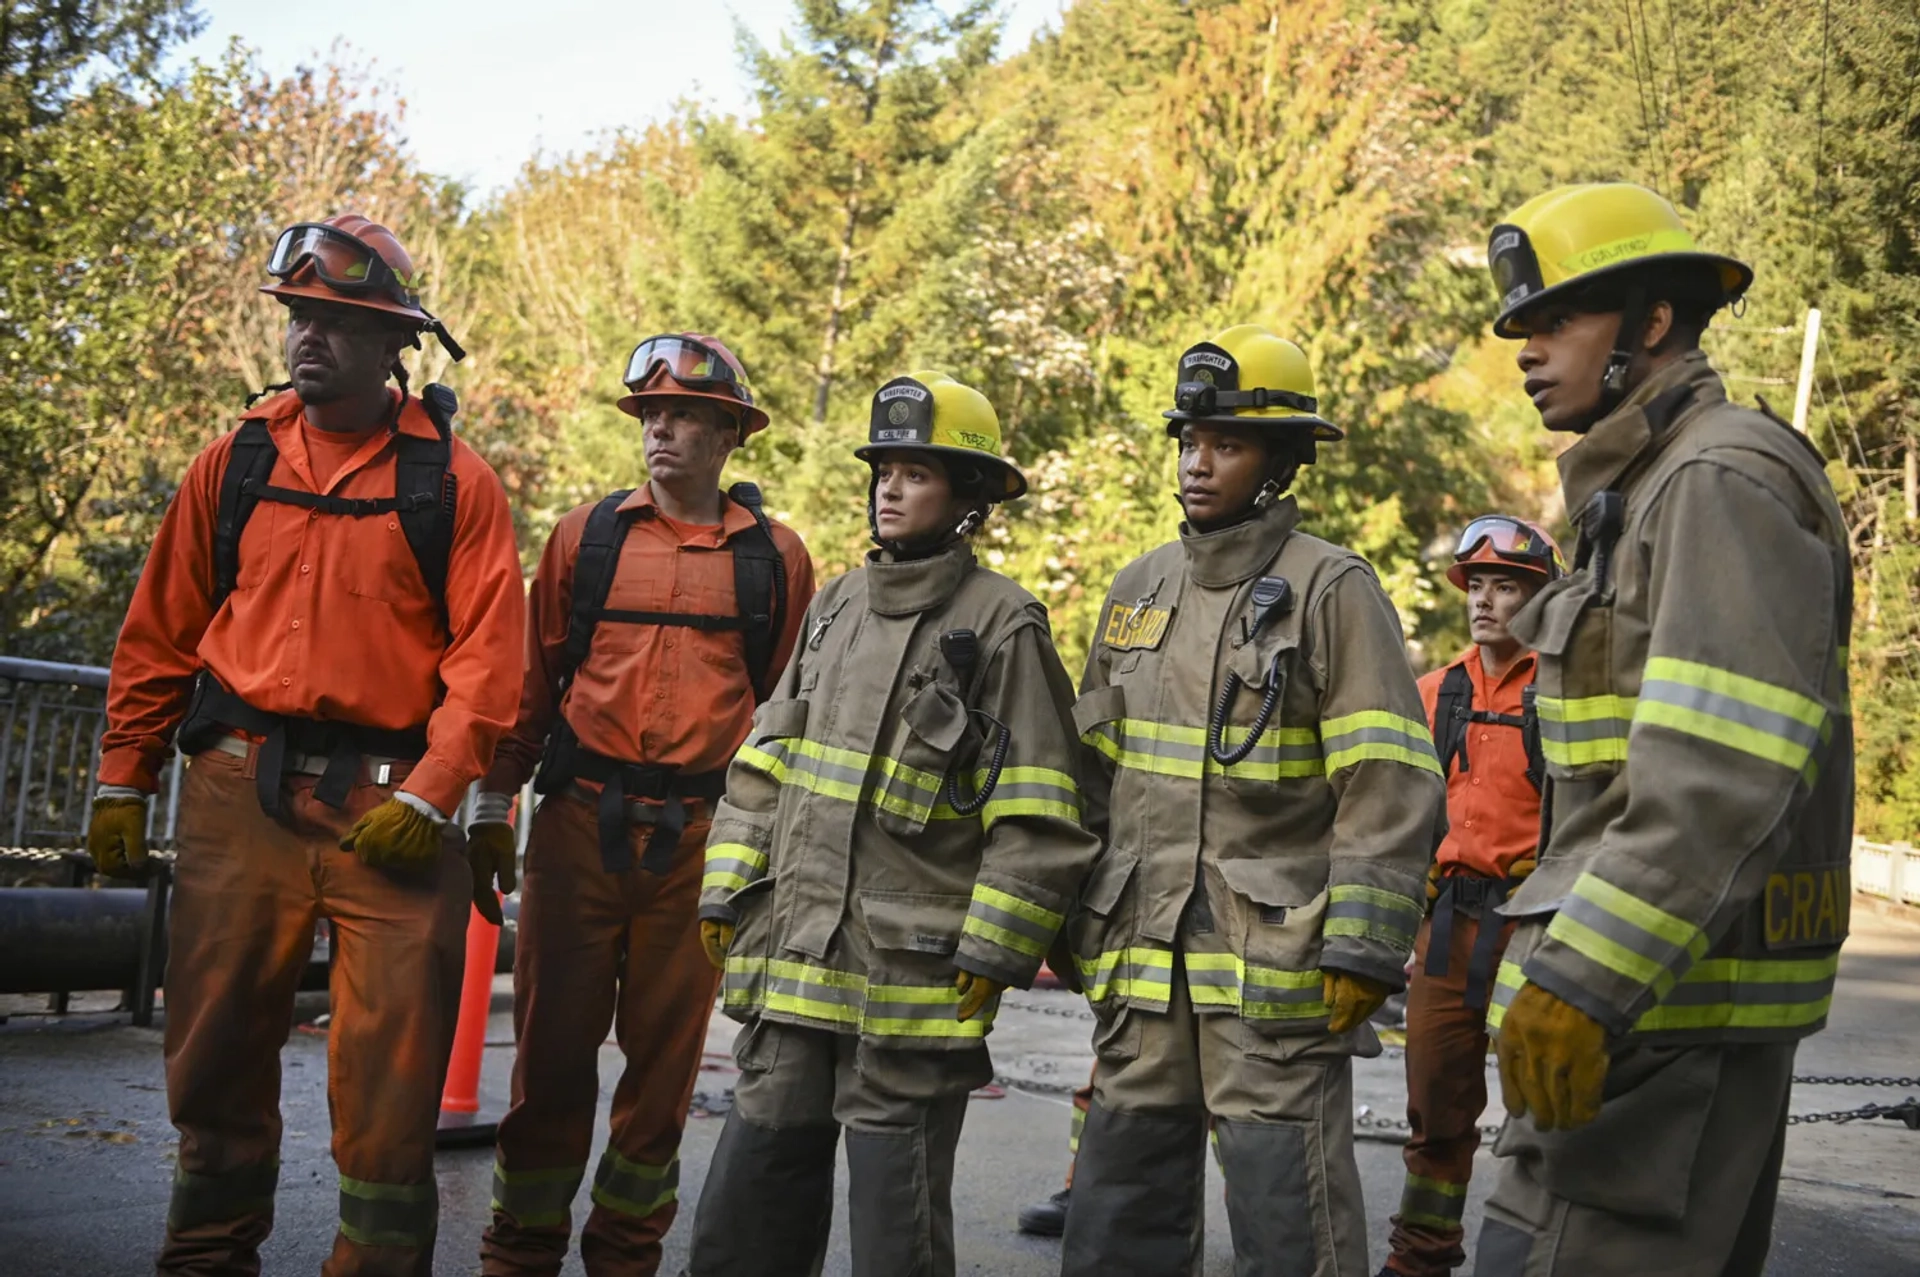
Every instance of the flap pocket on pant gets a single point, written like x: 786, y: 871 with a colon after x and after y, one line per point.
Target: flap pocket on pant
x: 1637, y: 1157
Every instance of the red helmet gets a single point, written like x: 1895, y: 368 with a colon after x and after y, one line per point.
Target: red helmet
x: 347, y: 259
x: 1502, y: 541
x: 691, y: 366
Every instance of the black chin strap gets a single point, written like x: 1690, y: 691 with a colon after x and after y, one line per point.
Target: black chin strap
x: 1613, y: 382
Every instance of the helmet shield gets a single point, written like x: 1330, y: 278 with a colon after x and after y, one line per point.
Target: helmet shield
x: 902, y: 415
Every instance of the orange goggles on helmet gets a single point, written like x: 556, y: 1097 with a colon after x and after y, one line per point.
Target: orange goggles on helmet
x: 693, y: 364
x: 1500, y: 538
x: 343, y: 262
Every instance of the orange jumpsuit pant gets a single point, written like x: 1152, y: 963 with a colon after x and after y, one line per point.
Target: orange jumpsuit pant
x: 1446, y: 1093
x: 597, y: 949
x: 247, y: 892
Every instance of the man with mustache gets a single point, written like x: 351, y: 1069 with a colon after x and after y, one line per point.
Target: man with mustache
x: 330, y: 620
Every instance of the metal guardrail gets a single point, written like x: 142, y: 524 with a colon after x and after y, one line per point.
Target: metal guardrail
x: 1890, y: 871
x: 51, y: 716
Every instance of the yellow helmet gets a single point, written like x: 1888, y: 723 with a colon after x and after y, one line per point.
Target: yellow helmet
x: 1573, y: 235
x: 1248, y: 376
x: 931, y: 412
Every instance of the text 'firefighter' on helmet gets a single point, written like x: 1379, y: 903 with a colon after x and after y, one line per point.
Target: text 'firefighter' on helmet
x: 1247, y: 376
x: 931, y: 412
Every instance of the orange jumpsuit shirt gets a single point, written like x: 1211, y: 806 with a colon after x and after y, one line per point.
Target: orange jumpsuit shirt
x: 329, y: 618
x: 666, y: 695
x: 1493, y: 811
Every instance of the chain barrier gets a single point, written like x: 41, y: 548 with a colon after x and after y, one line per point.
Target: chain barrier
x: 1856, y: 1081
x: 1907, y: 1112
x: 1063, y: 1013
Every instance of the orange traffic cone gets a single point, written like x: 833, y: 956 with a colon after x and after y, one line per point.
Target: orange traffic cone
x: 461, y: 1125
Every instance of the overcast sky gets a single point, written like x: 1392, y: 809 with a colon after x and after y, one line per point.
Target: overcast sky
x: 487, y: 84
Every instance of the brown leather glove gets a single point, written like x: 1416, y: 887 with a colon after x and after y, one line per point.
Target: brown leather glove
x: 117, y: 837
x: 1350, y: 999
x: 1553, y: 1061
x: 716, y: 938
x: 975, y: 992
x: 490, y: 852
x: 394, y: 834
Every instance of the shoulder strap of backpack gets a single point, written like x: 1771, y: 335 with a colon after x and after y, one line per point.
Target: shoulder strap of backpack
x: 249, y: 468
x: 1450, y: 713
x: 759, y: 575
x: 593, y: 568
x: 425, y: 488
x: 1530, y: 733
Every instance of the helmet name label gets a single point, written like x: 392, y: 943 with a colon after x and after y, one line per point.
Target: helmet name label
x: 896, y: 436
x: 1207, y: 358
x: 891, y: 393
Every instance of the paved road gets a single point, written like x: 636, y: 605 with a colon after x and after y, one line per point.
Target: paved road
x: 86, y: 1151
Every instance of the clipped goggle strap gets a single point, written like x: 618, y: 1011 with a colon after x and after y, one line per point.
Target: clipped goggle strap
x: 1263, y: 397
x: 455, y: 351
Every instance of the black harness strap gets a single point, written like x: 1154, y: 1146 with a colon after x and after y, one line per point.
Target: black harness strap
x: 1480, y: 896
x: 424, y: 499
x: 423, y: 502
x: 759, y: 579
x: 216, y: 712
x: 1453, y: 710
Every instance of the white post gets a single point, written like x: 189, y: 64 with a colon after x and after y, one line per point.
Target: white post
x: 1803, y: 394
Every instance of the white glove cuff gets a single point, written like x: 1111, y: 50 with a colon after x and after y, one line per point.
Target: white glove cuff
x: 492, y: 809
x: 119, y: 791
x: 422, y: 806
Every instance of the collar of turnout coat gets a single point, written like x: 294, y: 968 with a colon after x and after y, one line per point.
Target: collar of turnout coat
x: 1617, y: 440
x: 901, y: 589
x: 1235, y: 554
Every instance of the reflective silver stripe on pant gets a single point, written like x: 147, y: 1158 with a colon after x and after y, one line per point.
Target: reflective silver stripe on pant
x: 373, y: 1214
x: 200, y: 1199
x: 635, y: 1188
x: 538, y: 1198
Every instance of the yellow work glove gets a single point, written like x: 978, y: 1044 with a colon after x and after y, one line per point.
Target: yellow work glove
x: 1350, y: 999
x: 117, y: 837
x: 716, y: 937
x: 1433, y: 882
x: 490, y: 848
x: 394, y: 834
x: 1553, y: 1061
x: 1521, y: 868
x: 975, y: 992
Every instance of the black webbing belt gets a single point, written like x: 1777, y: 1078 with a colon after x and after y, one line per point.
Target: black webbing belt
x: 217, y: 712
x: 1480, y: 895
x: 620, y: 782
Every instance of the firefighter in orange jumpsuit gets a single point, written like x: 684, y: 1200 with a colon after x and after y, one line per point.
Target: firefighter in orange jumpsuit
x: 1487, y: 733
x: 659, y: 618
x: 329, y: 620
